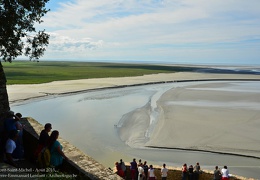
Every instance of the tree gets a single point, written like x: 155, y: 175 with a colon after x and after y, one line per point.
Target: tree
x: 18, y: 36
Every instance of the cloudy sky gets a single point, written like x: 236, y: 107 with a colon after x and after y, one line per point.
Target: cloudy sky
x: 170, y: 31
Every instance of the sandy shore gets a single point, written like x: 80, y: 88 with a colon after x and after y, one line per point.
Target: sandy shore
x: 22, y: 92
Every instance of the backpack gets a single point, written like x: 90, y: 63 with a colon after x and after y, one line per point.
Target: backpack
x: 44, y: 158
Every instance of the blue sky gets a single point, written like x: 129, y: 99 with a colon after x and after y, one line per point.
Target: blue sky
x: 170, y: 31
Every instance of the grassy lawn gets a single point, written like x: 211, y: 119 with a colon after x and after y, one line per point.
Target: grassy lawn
x: 28, y: 72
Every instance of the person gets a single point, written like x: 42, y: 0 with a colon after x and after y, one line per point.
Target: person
x: 217, y: 174
x: 18, y: 117
x: 18, y: 125
x: 19, y: 150
x: 197, y: 171
x: 164, y: 172
x: 191, y: 174
x: 140, y: 172
x: 184, y: 172
x: 123, y: 167
x: 10, y: 122
x: 57, y: 155
x: 44, y: 135
x: 151, y: 174
x: 43, y: 139
x: 133, y: 169
x: 10, y: 147
x: 145, y: 167
x: 225, y: 173
x: 139, y: 162
x: 119, y: 171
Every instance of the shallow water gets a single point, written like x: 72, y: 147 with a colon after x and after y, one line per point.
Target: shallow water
x: 89, y: 121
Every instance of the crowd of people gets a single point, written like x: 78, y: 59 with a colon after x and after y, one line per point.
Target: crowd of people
x: 12, y: 141
x: 141, y: 171
x: 12, y: 138
x: 193, y: 172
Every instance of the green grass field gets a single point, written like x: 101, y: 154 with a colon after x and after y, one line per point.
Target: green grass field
x: 29, y: 72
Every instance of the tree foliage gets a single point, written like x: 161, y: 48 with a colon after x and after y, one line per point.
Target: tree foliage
x: 18, y: 34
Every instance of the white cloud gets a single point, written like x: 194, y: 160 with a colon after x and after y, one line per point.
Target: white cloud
x: 64, y: 45
x: 127, y: 29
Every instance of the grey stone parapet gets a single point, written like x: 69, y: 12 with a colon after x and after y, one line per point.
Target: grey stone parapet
x: 80, y: 164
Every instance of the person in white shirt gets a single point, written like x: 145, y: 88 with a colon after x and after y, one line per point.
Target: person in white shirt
x: 140, y: 172
x: 225, y: 173
x: 151, y: 175
x: 10, y: 147
x: 164, y: 172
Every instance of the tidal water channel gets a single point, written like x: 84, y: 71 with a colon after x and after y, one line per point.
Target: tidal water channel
x: 90, y: 122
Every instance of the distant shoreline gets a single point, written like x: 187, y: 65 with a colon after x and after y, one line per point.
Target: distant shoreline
x: 21, y: 92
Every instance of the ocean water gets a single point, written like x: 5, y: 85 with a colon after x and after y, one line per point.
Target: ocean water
x: 90, y: 122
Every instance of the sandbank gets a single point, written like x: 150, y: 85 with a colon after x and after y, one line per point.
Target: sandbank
x: 202, y: 118
x: 28, y: 91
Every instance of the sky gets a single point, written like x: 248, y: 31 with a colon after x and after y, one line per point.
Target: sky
x: 167, y: 31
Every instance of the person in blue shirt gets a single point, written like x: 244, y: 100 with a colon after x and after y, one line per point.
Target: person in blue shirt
x: 57, y: 155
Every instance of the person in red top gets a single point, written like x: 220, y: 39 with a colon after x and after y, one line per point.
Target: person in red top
x: 184, y: 172
x: 119, y: 170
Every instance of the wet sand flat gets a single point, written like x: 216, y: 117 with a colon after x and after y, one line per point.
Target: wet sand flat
x: 209, y: 118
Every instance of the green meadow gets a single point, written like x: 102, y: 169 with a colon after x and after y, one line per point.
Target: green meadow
x: 30, y: 72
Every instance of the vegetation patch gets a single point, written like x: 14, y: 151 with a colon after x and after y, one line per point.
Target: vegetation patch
x: 32, y: 72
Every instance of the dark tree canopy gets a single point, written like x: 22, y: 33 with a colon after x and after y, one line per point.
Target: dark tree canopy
x: 18, y: 36
x: 17, y: 31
